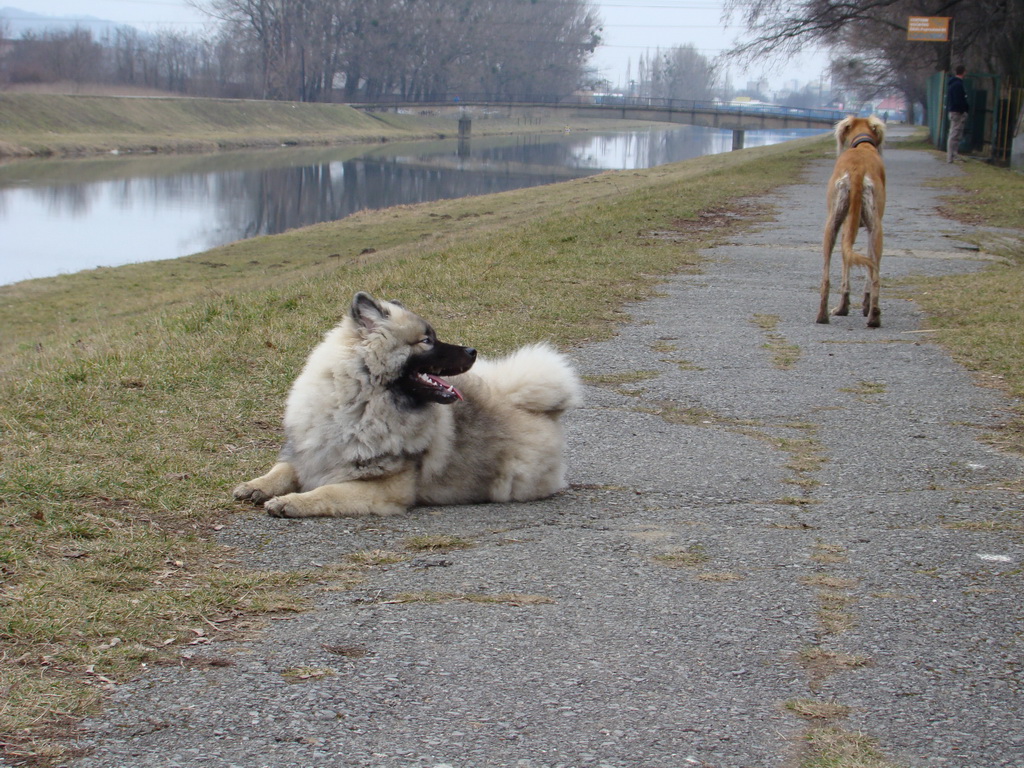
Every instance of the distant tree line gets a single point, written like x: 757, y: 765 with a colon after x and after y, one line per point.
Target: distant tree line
x: 171, y: 61
x: 323, y: 50
x: 682, y: 72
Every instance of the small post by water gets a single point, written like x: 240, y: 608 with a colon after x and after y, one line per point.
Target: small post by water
x: 465, y: 128
x: 737, y: 139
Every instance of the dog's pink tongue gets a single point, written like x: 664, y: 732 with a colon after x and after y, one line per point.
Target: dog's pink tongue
x: 443, y: 385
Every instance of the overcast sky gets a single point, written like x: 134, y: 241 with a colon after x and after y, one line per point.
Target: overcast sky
x: 631, y: 27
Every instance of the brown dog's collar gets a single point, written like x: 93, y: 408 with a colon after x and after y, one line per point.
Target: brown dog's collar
x: 863, y: 138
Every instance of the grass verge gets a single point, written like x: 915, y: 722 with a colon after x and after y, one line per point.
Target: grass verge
x: 979, y: 317
x: 132, y: 399
x: 44, y: 125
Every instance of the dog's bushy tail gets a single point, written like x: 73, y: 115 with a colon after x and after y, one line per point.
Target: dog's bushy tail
x: 535, y: 378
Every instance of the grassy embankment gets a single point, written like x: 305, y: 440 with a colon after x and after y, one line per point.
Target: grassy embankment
x: 34, y: 125
x: 132, y: 399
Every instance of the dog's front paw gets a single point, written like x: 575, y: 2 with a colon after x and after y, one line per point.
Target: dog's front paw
x: 288, y: 506
x: 249, y: 492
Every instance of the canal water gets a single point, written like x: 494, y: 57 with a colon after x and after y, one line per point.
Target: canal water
x: 67, y: 215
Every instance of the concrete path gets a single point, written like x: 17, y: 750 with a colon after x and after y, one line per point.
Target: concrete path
x: 743, y: 542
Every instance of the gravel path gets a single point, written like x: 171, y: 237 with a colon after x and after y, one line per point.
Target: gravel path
x: 741, y: 540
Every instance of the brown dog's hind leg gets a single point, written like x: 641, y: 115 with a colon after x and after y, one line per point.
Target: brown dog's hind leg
x: 837, y: 202
x: 866, y: 305
x: 843, y: 308
x: 825, y: 287
x: 872, y: 310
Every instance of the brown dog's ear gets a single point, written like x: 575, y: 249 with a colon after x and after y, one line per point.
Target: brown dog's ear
x: 878, y: 128
x: 841, y: 130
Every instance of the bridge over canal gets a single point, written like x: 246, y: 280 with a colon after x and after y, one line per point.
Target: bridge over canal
x: 707, y: 114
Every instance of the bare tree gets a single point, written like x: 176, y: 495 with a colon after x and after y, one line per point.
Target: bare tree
x: 5, y: 52
x: 680, y: 73
x: 290, y: 36
x: 74, y: 55
x: 414, y: 48
x: 871, y: 63
x: 989, y: 34
x: 128, y: 52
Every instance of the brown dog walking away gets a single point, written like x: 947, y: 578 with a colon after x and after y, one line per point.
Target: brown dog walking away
x: 856, y: 198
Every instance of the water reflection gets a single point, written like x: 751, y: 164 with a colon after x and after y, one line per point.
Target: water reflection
x: 63, y: 216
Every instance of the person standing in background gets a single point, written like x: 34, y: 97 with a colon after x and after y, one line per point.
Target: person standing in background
x: 956, y: 103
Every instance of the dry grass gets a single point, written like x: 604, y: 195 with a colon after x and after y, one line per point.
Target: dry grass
x: 373, y: 557
x: 828, y: 554
x: 805, y: 455
x: 626, y: 383
x: 690, y: 557
x: 979, y: 316
x: 827, y: 581
x: 864, y: 390
x: 834, y: 603
x: 784, y: 355
x: 302, y: 674
x: 1012, y: 522
x: 835, y: 621
x: 720, y: 577
x: 821, y: 663
x: 834, y: 747
x: 693, y: 417
x: 817, y: 709
x: 436, y: 543
x: 796, y: 501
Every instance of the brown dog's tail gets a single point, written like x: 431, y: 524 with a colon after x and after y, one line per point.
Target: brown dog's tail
x: 861, y: 198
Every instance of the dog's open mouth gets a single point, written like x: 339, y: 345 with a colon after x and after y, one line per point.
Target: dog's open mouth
x: 423, y: 375
x: 435, y: 388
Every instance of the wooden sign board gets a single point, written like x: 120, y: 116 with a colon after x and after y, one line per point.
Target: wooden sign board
x: 928, y: 28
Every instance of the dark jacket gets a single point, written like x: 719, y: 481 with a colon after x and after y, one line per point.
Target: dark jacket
x: 956, y: 96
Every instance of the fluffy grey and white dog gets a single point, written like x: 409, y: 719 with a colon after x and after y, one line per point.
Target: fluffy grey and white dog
x: 371, y: 426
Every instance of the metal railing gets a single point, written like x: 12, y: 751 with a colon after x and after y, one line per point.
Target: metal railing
x: 607, y: 101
